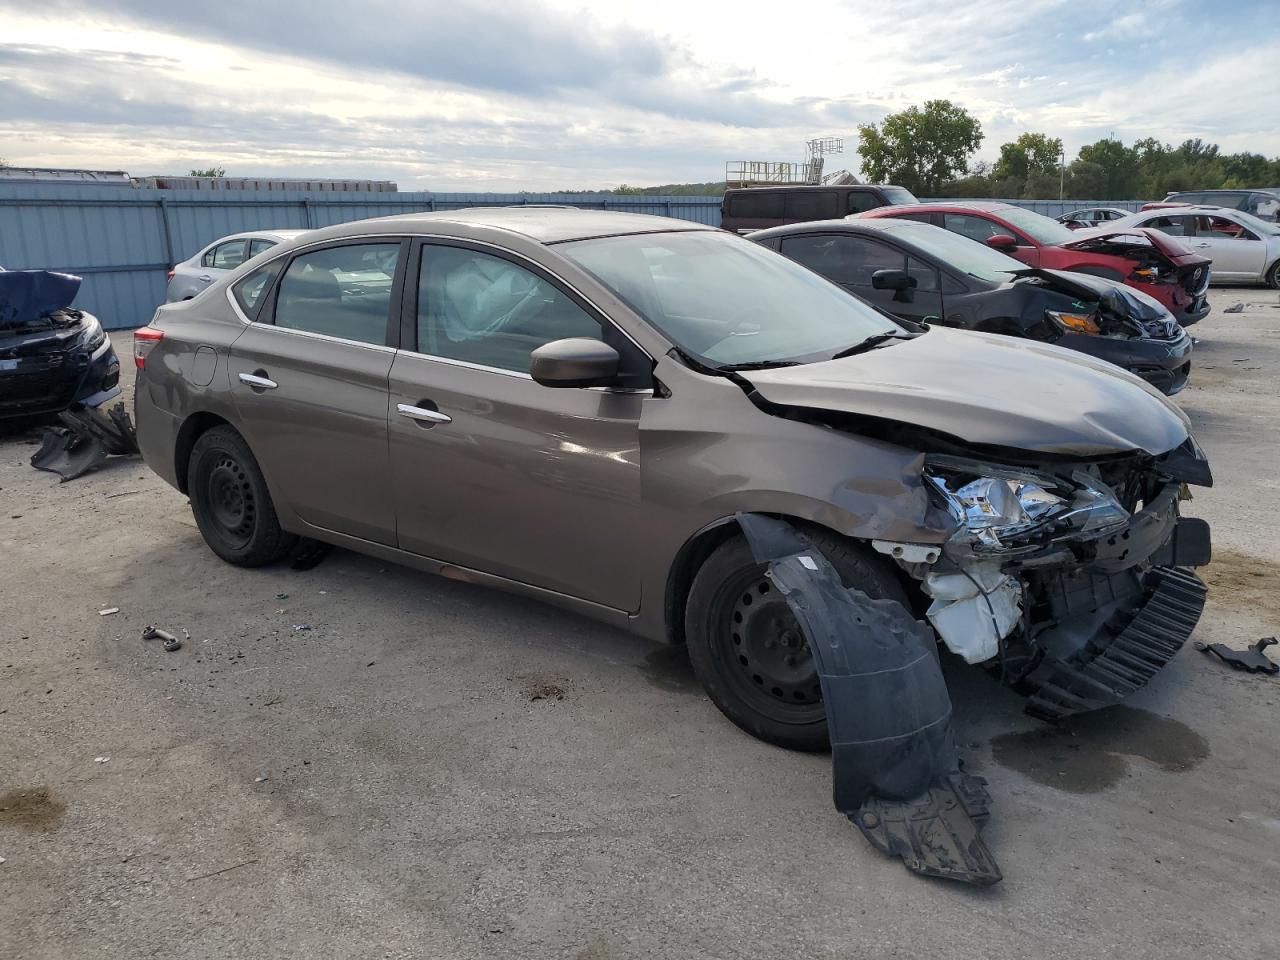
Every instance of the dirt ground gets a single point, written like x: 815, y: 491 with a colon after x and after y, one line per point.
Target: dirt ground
x: 430, y: 769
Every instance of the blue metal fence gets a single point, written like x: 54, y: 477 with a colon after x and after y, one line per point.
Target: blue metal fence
x: 123, y: 240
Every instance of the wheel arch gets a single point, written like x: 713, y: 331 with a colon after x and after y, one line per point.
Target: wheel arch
x: 695, y: 551
x: 191, y: 430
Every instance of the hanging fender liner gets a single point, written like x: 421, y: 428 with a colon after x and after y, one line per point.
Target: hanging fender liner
x: 894, y: 766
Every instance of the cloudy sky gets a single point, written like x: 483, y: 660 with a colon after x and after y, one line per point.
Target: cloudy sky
x: 509, y: 94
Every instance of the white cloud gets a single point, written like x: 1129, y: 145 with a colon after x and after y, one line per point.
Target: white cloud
x: 481, y: 95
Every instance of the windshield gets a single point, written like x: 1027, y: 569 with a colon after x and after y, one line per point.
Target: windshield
x: 960, y: 253
x: 897, y: 195
x: 1038, y: 227
x: 1258, y: 225
x: 728, y: 301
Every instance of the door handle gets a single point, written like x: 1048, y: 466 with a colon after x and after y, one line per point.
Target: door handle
x: 257, y: 382
x: 422, y: 414
x: 1202, y: 245
x: 206, y: 278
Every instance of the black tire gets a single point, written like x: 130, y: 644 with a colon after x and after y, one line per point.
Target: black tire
x: 750, y: 657
x: 232, y: 506
x: 1273, y: 276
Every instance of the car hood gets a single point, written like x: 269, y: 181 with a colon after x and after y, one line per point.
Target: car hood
x: 1170, y: 246
x: 1117, y: 297
x: 988, y: 389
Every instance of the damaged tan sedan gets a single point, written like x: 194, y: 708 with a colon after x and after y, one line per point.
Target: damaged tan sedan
x: 580, y: 407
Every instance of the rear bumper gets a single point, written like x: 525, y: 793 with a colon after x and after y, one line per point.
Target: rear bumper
x: 157, y: 432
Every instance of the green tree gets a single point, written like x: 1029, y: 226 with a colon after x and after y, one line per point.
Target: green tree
x: 1086, y: 181
x: 920, y: 149
x: 209, y: 172
x: 1119, y: 165
x: 1031, y: 153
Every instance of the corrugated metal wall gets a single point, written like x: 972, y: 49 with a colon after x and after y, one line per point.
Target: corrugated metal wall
x: 123, y: 240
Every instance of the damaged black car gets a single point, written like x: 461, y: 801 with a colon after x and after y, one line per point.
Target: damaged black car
x: 52, y: 356
x: 923, y: 273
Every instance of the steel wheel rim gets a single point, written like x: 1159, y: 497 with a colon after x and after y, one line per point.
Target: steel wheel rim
x: 765, y: 656
x: 232, y: 504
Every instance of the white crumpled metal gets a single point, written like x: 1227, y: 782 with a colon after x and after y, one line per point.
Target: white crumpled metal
x: 973, y: 613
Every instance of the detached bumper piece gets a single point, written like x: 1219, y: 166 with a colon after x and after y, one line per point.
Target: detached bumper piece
x: 1102, y: 674
x: 87, y: 439
x: 895, y: 770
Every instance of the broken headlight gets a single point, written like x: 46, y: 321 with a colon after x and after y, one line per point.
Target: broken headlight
x: 1073, y: 322
x: 999, y: 505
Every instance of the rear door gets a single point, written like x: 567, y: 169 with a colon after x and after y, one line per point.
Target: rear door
x: 498, y: 473
x: 1237, y: 253
x: 851, y: 261
x: 309, y: 379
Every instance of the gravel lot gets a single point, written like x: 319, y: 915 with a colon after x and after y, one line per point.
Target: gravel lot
x: 436, y: 770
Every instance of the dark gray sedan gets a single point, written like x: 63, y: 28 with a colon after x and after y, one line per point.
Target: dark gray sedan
x: 579, y: 406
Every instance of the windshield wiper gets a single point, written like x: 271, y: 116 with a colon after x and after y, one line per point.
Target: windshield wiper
x: 761, y: 365
x: 873, y: 341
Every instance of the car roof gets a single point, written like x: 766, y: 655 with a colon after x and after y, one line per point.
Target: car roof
x: 1190, y: 208
x: 816, y: 186
x: 543, y: 223
x: 987, y: 206
x: 1275, y: 191
x: 286, y: 234
x: 851, y: 224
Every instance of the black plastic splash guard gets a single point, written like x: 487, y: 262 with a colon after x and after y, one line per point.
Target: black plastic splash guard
x: 895, y: 770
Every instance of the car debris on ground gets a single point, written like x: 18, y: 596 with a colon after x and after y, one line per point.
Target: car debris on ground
x: 171, y: 643
x: 1253, y: 658
x: 895, y: 768
x: 85, y: 440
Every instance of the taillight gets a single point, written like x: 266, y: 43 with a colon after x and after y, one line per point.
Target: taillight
x: 144, y: 340
x: 170, y: 275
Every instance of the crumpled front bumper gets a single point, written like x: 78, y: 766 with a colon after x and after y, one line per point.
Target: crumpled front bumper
x: 52, y: 382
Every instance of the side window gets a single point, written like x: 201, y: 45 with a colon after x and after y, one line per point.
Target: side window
x: 340, y: 292
x: 925, y: 276
x: 1174, y: 226
x: 920, y: 217
x: 859, y: 202
x: 753, y: 205
x: 1219, y: 228
x: 256, y: 246
x: 481, y: 309
x: 811, y: 205
x: 248, y: 292
x: 225, y: 256
x: 846, y: 260
x: 975, y: 228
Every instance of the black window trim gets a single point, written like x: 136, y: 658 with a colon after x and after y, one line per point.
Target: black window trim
x: 266, y: 316
x: 209, y: 252
x: 409, y: 304
x: 906, y: 252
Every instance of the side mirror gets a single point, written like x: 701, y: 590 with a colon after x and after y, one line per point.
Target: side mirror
x: 1002, y: 241
x: 892, y: 280
x: 574, y: 362
x: 899, y: 281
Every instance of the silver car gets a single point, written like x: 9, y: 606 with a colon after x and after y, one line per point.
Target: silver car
x: 219, y: 258
x: 1244, y: 249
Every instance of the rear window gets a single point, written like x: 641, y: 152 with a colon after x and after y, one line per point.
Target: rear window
x: 765, y: 205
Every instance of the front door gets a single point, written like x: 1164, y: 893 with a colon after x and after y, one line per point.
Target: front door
x: 981, y: 228
x: 310, y: 385
x: 852, y: 261
x: 493, y: 471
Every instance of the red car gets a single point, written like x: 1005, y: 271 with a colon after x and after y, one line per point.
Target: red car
x: 1147, y: 260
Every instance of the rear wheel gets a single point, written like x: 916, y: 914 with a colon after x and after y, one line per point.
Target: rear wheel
x: 748, y: 650
x: 230, y: 501
x: 1273, y: 276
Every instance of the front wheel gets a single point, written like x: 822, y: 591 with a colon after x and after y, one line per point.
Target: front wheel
x: 230, y: 501
x: 748, y: 650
